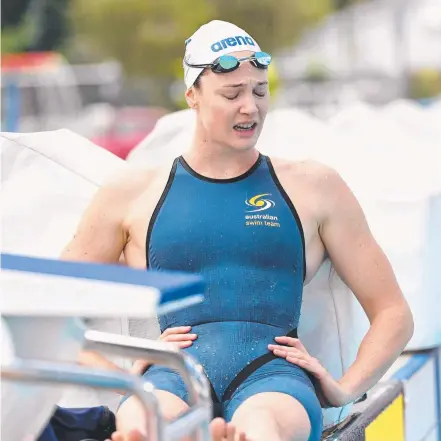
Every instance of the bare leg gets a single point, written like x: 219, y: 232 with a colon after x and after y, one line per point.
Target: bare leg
x: 131, y: 416
x: 272, y: 416
x: 131, y: 422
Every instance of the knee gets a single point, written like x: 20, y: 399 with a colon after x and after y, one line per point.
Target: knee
x: 283, y: 413
x: 131, y: 416
x: 252, y: 408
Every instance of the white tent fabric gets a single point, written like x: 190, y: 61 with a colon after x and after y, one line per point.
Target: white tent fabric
x: 395, y: 163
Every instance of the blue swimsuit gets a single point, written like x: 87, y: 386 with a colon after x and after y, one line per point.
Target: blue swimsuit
x: 243, y: 235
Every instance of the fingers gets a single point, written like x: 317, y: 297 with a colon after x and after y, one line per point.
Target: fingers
x: 308, y: 363
x: 133, y: 435
x: 218, y: 429
x: 139, y: 367
x: 174, y: 338
x: 179, y: 335
x: 298, y: 357
x: 117, y: 436
x: 242, y: 437
x: 284, y: 353
x: 231, y: 431
x: 177, y: 330
x: 222, y: 431
x: 182, y: 341
x: 285, y: 350
x: 293, y: 342
x: 184, y: 344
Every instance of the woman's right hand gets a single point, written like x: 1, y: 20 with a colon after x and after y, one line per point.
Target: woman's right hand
x: 179, y: 335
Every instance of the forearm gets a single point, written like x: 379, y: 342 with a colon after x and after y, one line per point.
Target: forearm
x: 389, y: 333
x: 96, y: 360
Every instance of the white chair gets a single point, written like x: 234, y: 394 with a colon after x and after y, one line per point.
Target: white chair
x: 42, y: 302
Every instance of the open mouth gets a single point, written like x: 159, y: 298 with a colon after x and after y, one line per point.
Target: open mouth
x: 245, y: 127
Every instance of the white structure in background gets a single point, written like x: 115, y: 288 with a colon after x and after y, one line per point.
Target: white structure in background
x: 377, y: 36
x: 48, y: 96
x: 365, y: 52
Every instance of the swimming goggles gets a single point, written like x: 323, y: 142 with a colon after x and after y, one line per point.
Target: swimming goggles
x: 228, y: 63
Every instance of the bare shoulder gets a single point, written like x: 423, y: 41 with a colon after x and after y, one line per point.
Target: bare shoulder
x: 310, y: 172
x: 133, y: 181
x: 101, y: 235
x: 320, y: 185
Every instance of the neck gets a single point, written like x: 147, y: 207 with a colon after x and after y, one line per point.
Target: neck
x: 217, y: 161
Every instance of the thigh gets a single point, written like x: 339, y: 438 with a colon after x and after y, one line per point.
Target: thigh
x: 170, y: 391
x: 164, y: 379
x: 281, y: 412
x: 293, y: 398
x: 131, y: 414
x: 167, y: 380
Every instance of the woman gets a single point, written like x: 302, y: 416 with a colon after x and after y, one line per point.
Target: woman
x: 257, y: 229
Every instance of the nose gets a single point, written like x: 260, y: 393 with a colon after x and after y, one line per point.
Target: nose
x: 249, y: 106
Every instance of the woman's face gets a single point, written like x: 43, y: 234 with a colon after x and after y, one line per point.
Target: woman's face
x: 232, y: 106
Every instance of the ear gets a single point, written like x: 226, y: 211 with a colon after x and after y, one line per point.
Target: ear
x: 190, y: 96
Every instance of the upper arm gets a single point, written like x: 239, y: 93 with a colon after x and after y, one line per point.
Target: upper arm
x: 355, y: 254
x: 99, y: 236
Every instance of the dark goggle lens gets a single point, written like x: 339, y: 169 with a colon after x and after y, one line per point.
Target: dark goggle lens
x: 228, y: 62
x: 263, y: 58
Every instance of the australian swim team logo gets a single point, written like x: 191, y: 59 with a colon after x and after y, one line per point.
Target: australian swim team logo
x: 259, y: 203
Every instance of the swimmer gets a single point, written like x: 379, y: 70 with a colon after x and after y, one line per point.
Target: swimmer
x: 257, y: 229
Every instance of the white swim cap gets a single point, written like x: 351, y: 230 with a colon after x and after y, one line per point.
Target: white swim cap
x: 212, y: 40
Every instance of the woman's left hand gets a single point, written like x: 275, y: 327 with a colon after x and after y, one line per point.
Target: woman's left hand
x: 332, y: 392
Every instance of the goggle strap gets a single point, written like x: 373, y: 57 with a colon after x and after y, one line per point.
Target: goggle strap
x: 216, y: 64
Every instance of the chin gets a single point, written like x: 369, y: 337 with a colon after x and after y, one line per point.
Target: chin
x: 244, y: 144
x: 243, y: 147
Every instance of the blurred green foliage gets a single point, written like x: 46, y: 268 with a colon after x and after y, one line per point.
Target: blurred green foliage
x: 425, y: 83
x: 34, y: 25
x: 148, y: 36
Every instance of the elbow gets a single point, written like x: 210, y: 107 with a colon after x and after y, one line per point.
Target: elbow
x: 406, y: 320
x: 410, y: 324
x: 402, y: 318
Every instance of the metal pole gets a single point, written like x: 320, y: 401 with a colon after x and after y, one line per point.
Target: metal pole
x: 49, y: 373
x: 167, y: 355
